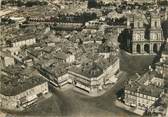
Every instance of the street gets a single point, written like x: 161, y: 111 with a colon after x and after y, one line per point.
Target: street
x: 75, y: 104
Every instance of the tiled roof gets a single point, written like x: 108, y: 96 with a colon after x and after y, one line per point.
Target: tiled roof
x: 88, y: 70
x: 139, y: 85
x: 21, y: 80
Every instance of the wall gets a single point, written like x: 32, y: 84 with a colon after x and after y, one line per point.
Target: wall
x: 9, y: 61
x: 11, y: 102
x: 70, y: 59
x: 24, y: 42
x: 140, y: 101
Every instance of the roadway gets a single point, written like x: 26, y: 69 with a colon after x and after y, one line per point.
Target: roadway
x: 75, y: 104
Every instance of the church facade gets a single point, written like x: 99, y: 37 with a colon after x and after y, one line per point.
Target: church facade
x: 147, y: 39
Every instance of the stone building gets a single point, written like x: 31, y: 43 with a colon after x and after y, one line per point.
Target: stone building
x: 162, y: 65
x: 144, y: 91
x: 128, y: 1
x: 18, y: 93
x: 21, y: 42
x: 20, y: 87
x: 69, y: 4
x: 147, y: 39
x: 92, y: 77
x: 6, y: 59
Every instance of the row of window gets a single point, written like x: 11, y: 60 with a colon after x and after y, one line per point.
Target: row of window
x: 139, y: 95
x: 154, y: 36
x: 33, y: 90
x: 138, y: 100
x: 26, y: 42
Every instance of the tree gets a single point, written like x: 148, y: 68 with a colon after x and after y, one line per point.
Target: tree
x: 92, y: 3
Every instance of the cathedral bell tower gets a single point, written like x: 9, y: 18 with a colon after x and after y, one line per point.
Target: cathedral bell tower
x: 155, y: 32
x: 138, y: 35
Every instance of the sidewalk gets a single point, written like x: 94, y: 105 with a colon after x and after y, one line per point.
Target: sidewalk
x: 137, y: 54
x: 128, y: 108
x: 92, y: 94
x: 66, y: 87
x: 105, y: 89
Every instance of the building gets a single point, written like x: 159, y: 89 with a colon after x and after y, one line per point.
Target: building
x: 6, y: 58
x: 21, y: 42
x: 28, y: 61
x: 141, y: 1
x: 92, y: 77
x: 143, y: 92
x: 105, y: 50
x: 65, y: 58
x: 61, y: 26
x: 147, y: 40
x: 71, y: 4
x: 162, y: 65
x: 19, y: 92
x: 58, y: 73
x: 93, y: 24
x: 128, y: 1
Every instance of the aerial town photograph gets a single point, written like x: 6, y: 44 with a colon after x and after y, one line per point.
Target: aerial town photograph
x: 83, y: 58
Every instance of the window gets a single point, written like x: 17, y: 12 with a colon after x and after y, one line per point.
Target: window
x: 154, y: 36
x: 126, y: 95
x: 147, y: 102
x: 158, y: 36
x: 155, y: 23
x: 138, y: 36
x: 138, y: 24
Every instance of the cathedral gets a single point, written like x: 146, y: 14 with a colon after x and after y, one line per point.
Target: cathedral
x: 147, y: 38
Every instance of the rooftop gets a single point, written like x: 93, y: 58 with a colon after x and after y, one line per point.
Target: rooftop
x: 58, y: 69
x: 94, y: 69
x: 149, y: 90
x: 18, y: 80
x: 5, y: 54
x: 36, y: 11
x: 61, y: 55
x: 104, y: 48
x: 144, y: 85
x: 24, y: 37
x: 88, y: 70
x: 6, y: 12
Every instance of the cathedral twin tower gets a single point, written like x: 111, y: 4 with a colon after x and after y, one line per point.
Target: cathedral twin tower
x: 146, y: 38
